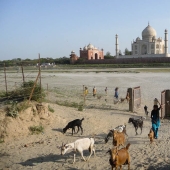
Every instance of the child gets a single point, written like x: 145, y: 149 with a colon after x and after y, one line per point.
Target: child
x: 116, y: 93
x: 94, y: 91
x: 155, y: 119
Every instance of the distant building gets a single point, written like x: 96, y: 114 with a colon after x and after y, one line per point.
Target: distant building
x: 148, y: 46
x: 89, y: 52
x: 45, y: 65
x: 73, y: 57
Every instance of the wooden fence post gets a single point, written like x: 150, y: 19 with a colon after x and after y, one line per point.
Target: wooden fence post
x: 131, y: 105
x: 47, y: 90
x: 83, y: 95
x: 33, y: 87
x: 15, y: 85
x: 39, y: 69
x: 23, y: 78
x: 5, y: 79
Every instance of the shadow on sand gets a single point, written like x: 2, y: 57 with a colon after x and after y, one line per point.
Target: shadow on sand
x: 61, y: 159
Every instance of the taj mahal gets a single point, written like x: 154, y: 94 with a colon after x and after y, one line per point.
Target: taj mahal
x: 148, y: 46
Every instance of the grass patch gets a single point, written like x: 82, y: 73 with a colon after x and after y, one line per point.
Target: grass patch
x: 36, y: 129
x: 22, y: 93
x: 50, y: 109
x: 12, y: 111
x: 2, y: 141
x: 79, y: 106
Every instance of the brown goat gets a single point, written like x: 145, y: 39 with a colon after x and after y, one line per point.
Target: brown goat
x: 151, y: 135
x: 119, y: 157
x: 118, y: 138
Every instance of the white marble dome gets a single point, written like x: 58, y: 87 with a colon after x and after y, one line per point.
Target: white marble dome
x: 85, y: 48
x: 137, y: 38
x: 90, y: 46
x: 148, y: 32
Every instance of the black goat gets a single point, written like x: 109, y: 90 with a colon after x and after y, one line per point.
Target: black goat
x: 120, y: 128
x: 73, y: 124
x: 137, y: 123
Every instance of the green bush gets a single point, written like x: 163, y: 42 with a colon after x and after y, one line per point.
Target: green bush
x: 22, y: 93
x: 80, y: 105
x: 27, y: 87
x: 50, y: 109
x: 36, y: 129
x: 12, y: 110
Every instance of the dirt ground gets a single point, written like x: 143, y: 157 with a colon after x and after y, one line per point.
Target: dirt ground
x: 24, y: 151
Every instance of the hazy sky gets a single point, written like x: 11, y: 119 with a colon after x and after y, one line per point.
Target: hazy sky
x: 54, y: 28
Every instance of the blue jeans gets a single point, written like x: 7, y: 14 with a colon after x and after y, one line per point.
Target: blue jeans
x: 155, y: 127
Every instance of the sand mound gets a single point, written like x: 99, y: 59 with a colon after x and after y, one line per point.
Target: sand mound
x: 36, y: 114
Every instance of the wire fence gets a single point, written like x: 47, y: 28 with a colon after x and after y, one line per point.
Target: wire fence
x: 62, y: 93
x: 68, y: 94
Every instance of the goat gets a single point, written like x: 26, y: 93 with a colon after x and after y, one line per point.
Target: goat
x: 99, y: 97
x: 137, y: 123
x: 151, y: 135
x: 119, y: 157
x: 120, y: 128
x: 72, y: 124
x: 118, y: 138
x: 79, y: 145
x: 122, y: 99
x: 146, y: 111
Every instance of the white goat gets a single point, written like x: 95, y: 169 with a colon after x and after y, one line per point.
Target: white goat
x: 79, y: 145
x: 120, y: 128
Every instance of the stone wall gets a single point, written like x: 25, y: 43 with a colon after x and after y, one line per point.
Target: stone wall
x: 129, y: 60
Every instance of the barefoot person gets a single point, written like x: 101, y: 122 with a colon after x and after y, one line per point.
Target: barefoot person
x: 94, y: 91
x: 116, y: 93
x: 155, y: 119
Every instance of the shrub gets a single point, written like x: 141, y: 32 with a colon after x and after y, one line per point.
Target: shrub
x: 80, y: 105
x: 36, y: 129
x: 23, y: 92
x: 50, y: 109
x: 27, y: 87
x: 12, y: 111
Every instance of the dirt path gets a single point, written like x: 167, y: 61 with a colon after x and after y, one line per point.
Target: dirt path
x: 41, y: 150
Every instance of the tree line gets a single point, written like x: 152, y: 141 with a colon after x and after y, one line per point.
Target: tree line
x: 61, y: 60
x: 33, y: 62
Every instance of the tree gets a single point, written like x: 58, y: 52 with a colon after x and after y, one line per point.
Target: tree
x: 120, y: 53
x: 127, y: 52
x: 108, y: 56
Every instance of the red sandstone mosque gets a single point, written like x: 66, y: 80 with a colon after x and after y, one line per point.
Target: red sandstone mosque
x: 89, y: 52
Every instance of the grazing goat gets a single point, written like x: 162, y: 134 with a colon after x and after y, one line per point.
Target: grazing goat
x: 99, y: 97
x: 72, y: 124
x: 137, y: 123
x: 79, y: 145
x: 120, y: 128
x: 119, y: 157
x: 118, y: 138
x: 151, y: 135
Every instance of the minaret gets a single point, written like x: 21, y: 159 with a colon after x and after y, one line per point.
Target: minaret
x: 166, y: 42
x: 117, y: 48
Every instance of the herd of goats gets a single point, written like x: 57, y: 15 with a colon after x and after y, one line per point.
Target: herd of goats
x: 118, y: 156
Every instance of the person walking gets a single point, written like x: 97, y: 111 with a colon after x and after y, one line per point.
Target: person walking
x: 155, y: 117
x: 127, y: 96
x: 85, y: 91
x: 116, y: 93
x: 146, y: 110
x: 105, y: 91
x: 94, y: 91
